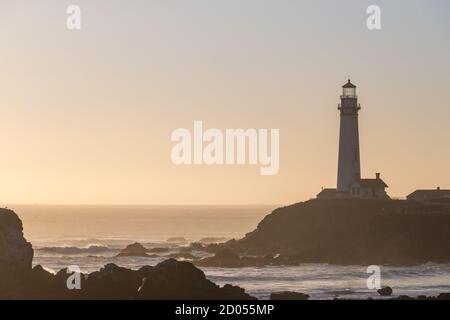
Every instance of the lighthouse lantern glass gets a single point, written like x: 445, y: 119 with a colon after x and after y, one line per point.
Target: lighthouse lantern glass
x: 349, y: 92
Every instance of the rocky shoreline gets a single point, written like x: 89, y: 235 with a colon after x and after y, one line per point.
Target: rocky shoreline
x: 344, y: 232
x: 170, y: 279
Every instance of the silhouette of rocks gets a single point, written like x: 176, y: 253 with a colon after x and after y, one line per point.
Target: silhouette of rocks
x: 287, y: 295
x: 16, y: 254
x: 385, y: 292
x: 343, y: 231
x: 182, y: 280
x: 444, y: 296
x: 134, y: 250
x: 170, y: 279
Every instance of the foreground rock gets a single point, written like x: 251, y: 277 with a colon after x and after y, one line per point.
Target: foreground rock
x: 16, y: 254
x: 385, y: 292
x: 171, y: 280
x: 353, y: 232
x: 287, y: 295
x: 441, y: 297
x: 181, y: 280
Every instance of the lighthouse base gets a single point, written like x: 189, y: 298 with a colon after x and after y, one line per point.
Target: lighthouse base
x: 359, y: 189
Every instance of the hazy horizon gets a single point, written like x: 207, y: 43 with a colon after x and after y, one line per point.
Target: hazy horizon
x: 87, y: 115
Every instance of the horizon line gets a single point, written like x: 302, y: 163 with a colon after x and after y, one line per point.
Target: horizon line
x: 3, y: 205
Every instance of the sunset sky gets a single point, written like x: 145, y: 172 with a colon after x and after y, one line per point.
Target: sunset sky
x: 86, y: 116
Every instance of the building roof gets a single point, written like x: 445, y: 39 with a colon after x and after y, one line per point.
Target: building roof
x: 372, y: 183
x: 435, y: 193
x: 349, y: 85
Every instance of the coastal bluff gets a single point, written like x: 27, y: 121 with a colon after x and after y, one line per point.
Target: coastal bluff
x: 352, y: 231
x: 16, y: 254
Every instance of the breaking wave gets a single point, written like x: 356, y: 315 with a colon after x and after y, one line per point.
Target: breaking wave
x: 91, y: 249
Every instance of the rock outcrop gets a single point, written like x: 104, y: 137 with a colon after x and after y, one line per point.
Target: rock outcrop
x: 385, y: 292
x: 172, y: 279
x: 134, y: 250
x: 362, y: 232
x: 16, y: 254
x: 169, y: 280
x: 440, y: 297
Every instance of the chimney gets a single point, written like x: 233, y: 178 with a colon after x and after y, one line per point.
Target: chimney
x: 378, y: 175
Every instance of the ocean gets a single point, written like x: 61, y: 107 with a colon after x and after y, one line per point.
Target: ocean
x: 91, y: 236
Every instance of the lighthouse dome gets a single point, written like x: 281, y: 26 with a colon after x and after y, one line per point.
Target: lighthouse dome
x: 349, y: 90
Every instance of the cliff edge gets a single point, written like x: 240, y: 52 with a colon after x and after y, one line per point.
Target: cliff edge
x: 343, y: 231
x: 16, y: 254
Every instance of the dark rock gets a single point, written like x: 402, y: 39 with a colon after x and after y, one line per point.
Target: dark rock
x: 134, y: 250
x: 16, y: 254
x: 404, y: 297
x: 112, y: 283
x: 172, y: 279
x: 444, y: 296
x: 351, y: 231
x: 287, y: 295
x: 385, y: 292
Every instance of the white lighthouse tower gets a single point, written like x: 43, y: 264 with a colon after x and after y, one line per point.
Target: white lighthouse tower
x: 349, y: 167
x: 349, y: 182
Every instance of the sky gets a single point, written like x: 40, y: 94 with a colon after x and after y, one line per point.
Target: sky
x: 86, y: 116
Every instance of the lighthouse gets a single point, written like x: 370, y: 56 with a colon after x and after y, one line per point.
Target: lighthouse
x: 349, y: 167
x: 349, y: 181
